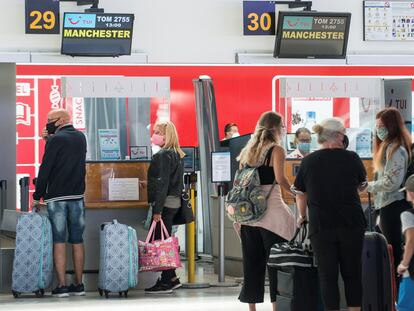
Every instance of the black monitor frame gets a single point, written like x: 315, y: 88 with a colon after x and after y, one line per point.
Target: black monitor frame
x: 278, y: 38
x: 191, y: 152
x: 92, y: 54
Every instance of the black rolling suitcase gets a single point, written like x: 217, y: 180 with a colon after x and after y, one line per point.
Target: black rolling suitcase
x: 377, y: 276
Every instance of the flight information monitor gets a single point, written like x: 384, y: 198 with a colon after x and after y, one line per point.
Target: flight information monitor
x: 97, y: 34
x: 312, y: 35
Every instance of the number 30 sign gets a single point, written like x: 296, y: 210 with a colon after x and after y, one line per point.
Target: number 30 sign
x: 42, y: 16
x: 258, y: 18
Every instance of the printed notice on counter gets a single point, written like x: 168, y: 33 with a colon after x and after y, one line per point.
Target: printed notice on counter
x: 123, y: 189
x: 220, y: 167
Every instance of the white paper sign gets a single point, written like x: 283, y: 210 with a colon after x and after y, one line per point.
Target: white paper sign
x: 221, y: 167
x: 123, y: 189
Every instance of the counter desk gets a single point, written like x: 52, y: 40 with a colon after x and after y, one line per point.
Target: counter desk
x: 100, y: 208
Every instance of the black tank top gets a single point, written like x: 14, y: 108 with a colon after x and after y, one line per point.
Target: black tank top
x: 266, y: 172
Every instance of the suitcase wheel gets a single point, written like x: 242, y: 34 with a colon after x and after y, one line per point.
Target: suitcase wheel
x: 39, y: 293
x: 16, y: 294
x: 107, y: 294
x: 100, y: 291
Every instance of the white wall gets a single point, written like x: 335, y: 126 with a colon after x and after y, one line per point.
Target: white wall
x: 186, y: 31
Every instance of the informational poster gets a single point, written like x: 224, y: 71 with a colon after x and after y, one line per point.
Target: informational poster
x: 123, y: 189
x: 220, y: 167
x: 360, y: 141
x: 398, y: 94
x: 388, y: 20
x: 109, y: 144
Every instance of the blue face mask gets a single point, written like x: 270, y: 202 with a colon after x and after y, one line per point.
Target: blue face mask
x: 382, y: 133
x: 304, y: 147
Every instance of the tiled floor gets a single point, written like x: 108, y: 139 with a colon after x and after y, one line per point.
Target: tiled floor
x: 209, y: 299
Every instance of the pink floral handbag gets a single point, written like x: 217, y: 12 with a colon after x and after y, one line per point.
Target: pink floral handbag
x: 160, y: 254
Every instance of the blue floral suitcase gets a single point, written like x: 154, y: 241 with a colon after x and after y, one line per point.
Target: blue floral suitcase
x: 33, y: 258
x: 118, y: 266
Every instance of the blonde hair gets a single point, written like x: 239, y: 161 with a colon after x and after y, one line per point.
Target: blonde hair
x: 264, y: 135
x: 327, y: 130
x: 168, y: 129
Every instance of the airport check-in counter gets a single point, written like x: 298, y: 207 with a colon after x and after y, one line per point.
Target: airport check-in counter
x: 233, y: 252
x: 100, y: 208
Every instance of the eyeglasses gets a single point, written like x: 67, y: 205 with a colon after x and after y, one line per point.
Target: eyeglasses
x: 51, y: 120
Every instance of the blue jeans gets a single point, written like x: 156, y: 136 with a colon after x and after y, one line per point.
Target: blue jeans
x: 67, y: 215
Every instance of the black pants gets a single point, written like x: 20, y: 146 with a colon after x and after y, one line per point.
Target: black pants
x: 390, y: 224
x: 167, y: 217
x: 339, y: 249
x: 256, y: 244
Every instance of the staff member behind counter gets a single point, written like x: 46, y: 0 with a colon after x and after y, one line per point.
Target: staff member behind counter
x: 303, y: 144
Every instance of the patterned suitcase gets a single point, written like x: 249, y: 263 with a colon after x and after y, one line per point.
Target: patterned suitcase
x: 33, y: 258
x: 118, y: 268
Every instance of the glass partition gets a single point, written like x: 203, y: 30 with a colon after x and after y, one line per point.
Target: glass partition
x: 304, y: 102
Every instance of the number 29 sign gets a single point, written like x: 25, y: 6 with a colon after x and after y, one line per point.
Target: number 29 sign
x: 42, y: 17
x: 258, y: 18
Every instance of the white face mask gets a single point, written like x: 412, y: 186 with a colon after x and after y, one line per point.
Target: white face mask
x: 155, y: 149
x: 236, y: 134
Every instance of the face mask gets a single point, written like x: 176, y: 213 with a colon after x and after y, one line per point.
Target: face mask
x: 157, y: 140
x: 235, y: 135
x: 345, y: 141
x: 155, y: 149
x: 304, y: 147
x: 382, y: 133
x: 51, y: 127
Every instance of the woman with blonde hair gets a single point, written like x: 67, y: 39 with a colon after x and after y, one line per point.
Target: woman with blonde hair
x: 392, y: 151
x: 264, y: 151
x: 165, y: 184
x: 327, y: 186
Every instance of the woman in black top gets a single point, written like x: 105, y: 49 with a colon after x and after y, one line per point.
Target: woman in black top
x: 165, y: 184
x: 277, y: 225
x: 328, y: 182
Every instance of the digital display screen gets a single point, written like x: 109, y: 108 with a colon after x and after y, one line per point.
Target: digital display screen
x: 312, y: 35
x: 97, y: 34
x: 189, y: 159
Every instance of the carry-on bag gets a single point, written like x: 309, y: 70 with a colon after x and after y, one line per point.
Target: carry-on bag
x: 159, y: 255
x: 297, y: 276
x: 118, y: 266
x: 33, y: 258
x: 377, y: 271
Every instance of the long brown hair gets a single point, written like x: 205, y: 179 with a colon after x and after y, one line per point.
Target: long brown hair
x: 265, y: 134
x: 398, y: 135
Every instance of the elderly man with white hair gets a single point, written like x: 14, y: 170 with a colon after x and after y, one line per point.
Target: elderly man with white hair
x: 327, y: 183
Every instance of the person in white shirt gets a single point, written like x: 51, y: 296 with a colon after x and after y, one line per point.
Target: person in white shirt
x: 302, y: 141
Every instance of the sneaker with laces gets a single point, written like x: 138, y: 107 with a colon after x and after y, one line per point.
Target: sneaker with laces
x: 159, y: 288
x: 61, y: 292
x: 77, y: 290
x: 176, y: 284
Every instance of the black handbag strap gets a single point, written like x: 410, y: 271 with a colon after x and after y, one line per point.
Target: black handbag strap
x: 304, y: 230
